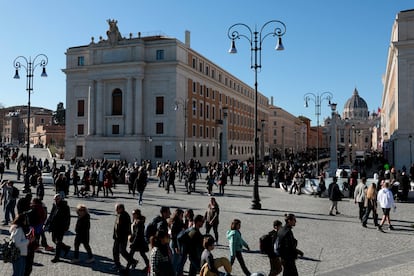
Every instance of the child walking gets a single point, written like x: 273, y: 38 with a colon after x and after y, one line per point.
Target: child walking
x: 83, y: 224
x: 236, y: 244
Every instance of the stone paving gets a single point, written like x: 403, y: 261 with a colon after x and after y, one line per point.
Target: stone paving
x: 333, y: 245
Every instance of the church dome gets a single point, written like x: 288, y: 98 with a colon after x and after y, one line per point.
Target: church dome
x: 356, y: 107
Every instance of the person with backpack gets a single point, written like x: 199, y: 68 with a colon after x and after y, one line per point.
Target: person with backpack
x: 193, y: 245
x: 9, y: 197
x: 273, y: 254
x: 287, y: 246
x: 58, y: 223
x: 335, y: 195
x: 158, y: 223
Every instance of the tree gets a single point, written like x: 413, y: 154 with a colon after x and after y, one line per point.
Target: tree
x: 59, y: 115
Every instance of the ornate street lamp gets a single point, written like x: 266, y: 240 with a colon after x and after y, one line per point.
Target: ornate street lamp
x: 317, y: 99
x: 255, y: 39
x: 29, y: 65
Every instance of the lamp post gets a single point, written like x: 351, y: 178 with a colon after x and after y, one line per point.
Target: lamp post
x: 410, y: 139
x: 183, y: 103
x: 255, y: 39
x: 334, y: 154
x: 317, y: 99
x: 29, y: 65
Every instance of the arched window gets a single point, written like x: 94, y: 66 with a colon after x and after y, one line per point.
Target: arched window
x: 117, y: 102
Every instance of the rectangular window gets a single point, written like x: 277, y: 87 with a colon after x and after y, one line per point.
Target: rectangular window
x: 159, y: 128
x: 194, y: 87
x: 81, y: 61
x: 159, y: 105
x: 115, y: 129
x: 194, y: 131
x: 81, y: 108
x: 201, y: 132
x: 213, y: 112
x: 207, y: 70
x: 201, y: 109
x: 158, y: 151
x: 201, y: 151
x: 207, y: 111
x: 79, y: 151
x: 207, y: 132
x: 213, y: 151
x: 207, y: 92
x: 207, y: 151
x: 213, y: 132
x: 213, y: 75
x: 201, y: 90
x: 194, y: 63
x: 81, y: 129
x: 201, y: 67
x: 160, y: 55
x: 194, y: 108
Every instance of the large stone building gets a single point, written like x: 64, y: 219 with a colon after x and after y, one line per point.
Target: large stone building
x: 155, y: 98
x: 397, y: 111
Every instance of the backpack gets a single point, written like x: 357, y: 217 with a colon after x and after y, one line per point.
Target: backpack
x: 152, y: 228
x: 15, y: 192
x: 183, y: 238
x: 265, y: 244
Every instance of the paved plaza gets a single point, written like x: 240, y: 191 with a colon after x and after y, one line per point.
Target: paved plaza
x: 333, y: 245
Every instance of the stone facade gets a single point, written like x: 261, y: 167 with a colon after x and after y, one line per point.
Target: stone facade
x: 398, y: 98
x: 132, y: 98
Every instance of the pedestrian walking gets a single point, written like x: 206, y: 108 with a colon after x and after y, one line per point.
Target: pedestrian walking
x: 58, y: 223
x: 176, y: 226
x: 140, y: 183
x: 83, y: 225
x: 273, y: 255
x: 359, y: 197
x: 371, y: 205
x: 287, y: 246
x: 18, y: 236
x: 8, y: 198
x: 137, y: 239
x: 335, y: 195
x: 122, y: 230
x: 236, y: 244
x: 161, y: 264
x: 386, y: 201
x: 170, y: 174
x: 211, y: 218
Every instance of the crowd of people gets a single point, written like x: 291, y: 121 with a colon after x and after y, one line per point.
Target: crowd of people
x: 168, y: 241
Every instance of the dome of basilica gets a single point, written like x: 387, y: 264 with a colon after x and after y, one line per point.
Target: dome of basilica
x: 356, y: 107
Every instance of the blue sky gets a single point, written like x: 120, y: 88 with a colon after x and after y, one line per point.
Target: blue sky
x: 330, y: 45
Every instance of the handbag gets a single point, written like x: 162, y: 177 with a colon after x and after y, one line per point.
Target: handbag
x: 10, y: 252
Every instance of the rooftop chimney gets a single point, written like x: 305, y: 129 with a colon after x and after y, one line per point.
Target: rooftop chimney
x: 187, y: 38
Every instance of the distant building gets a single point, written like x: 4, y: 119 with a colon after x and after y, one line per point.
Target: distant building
x: 397, y: 110
x: 354, y: 129
x: 14, y: 123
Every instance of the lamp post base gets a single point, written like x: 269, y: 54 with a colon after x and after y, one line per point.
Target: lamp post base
x: 256, y: 205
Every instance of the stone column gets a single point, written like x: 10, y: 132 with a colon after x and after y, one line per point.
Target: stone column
x: 129, y: 105
x: 99, y: 108
x: 91, y: 109
x: 139, y: 107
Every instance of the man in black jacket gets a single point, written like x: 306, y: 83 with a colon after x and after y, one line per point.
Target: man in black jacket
x: 122, y: 229
x: 335, y: 195
x: 287, y: 246
x: 58, y: 223
x: 274, y: 257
